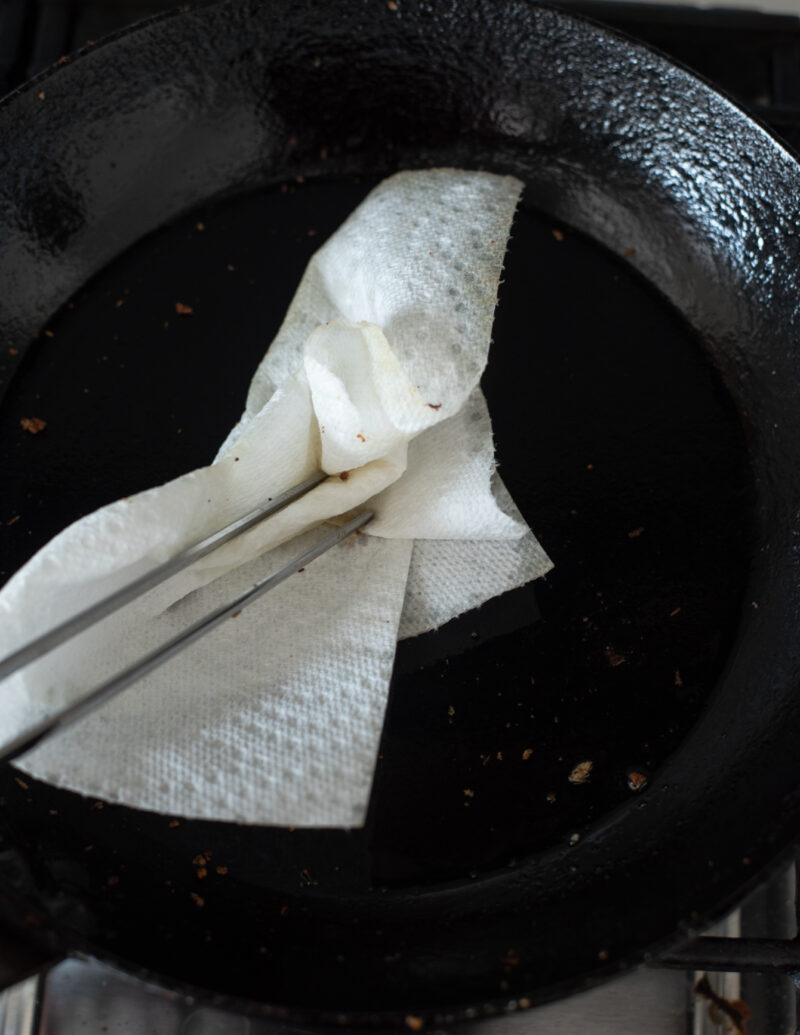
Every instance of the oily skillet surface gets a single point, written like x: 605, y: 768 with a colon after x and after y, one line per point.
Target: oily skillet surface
x: 446, y: 902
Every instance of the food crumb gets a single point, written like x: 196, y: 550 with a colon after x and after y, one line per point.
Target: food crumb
x: 173, y: 823
x: 222, y: 870
x: 12, y: 521
x: 41, y: 95
x: 678, y: 680
x: 33, y: 424
x: 581, y: 772
x: 558, y: 234
x: 199, y: 901
x: 637, y: 781
x: 614, y: 658
x: 344, y: 475
x: 451, y: 710
x: 199, y: 226
x: 49, y: 334
x: 526, y: 754
x: 359, y: 435
x: 412, y: 1021
x: 435, y: 406
x: 20, y: 782
x: 112, y: 881
x: 499, y: 756
x: 119, y: 303
x: 603, y: 954
x: 468, y: 792
x: 391, y: 4
x: 284, y: 910
x: 574, y: 838
x: 97, y: 805
x: 12, y: 351
x: 635, y: 533
x: 675, y: 611
x: 629, y: 252
x: 202, y: 873
x: 550, y: 798
x: 183, y: 310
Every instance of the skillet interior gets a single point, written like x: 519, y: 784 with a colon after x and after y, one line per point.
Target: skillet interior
x: 615, y: 142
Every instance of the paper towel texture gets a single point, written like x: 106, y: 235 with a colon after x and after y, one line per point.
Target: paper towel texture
x: 275, y: 717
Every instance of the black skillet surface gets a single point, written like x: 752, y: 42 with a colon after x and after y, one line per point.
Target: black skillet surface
x: 664, y: 499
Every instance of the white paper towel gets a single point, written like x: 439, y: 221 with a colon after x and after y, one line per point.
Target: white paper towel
x: 275, y: 717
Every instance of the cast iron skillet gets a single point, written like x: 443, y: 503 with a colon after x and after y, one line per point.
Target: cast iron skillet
x: 644, y: 391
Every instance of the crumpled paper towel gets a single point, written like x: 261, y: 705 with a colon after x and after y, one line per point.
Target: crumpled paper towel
x: 275, y: 717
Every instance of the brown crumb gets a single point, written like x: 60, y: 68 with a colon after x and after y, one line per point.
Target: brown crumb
x: 202, y: 873
x: 635, y: 533
x: 590, y: 467
x: 675, y: 611
x: 526, y: 754
x: 637, y: 781
x: 199, y: 226
x: 12, y: 351
x: 603, y: 954
x: 33, y: 424
x: 201, y: 859
x: 49, y: 334
x: 13, y: 520
x: 499, y: 756
x: 62, y: 60
x: 559, y: 235
x: 20, y: 782
x: 629, y: 252
x: 236, y: 613
x: 199, y: 901
x: 412, y: 1021
x: 391, y: 4
x: 344, y: 475
x: 468, y: 792
x: 722, y: 1010
x: 173, y: 823
x: 222, y: 870
x: 614, y: 658
x: 359, y: 435
x: 435, y: 406
x: 183, y: 310
x: 119, y: 303
x: 97, y: 805
x: 678, y: 680
x: 41, y: 95
x: 581, y: 772
x: 284, y: 910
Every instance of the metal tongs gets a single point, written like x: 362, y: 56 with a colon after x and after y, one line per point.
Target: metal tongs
x: 94, y: 698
